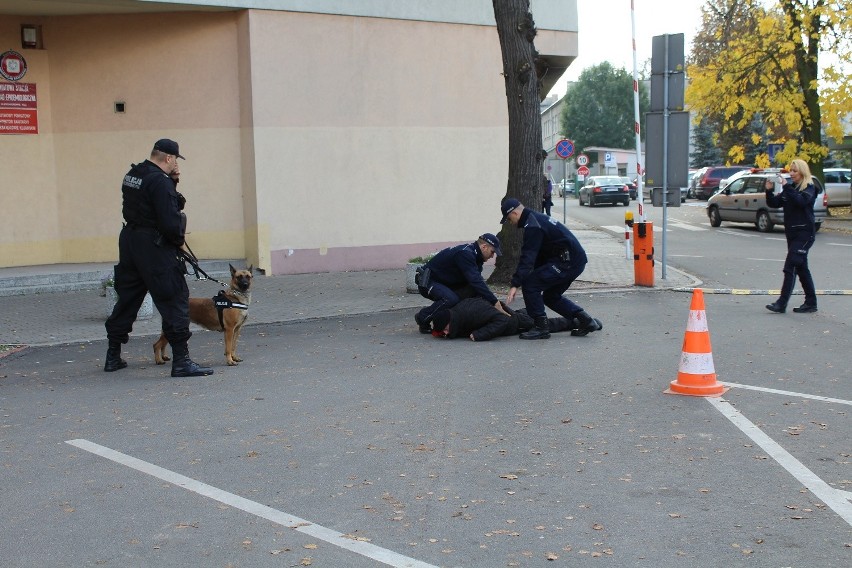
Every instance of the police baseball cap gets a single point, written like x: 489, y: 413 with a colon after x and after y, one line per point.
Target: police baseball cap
x: 168, y: 147
x: 507, y: 207
x: 493, y: 241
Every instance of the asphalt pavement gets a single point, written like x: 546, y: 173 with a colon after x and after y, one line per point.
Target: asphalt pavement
x: 347, y: 439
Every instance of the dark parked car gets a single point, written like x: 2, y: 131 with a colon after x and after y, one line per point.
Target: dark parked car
x: 604, y: 189
x: 631, y: 187
x: 708, y: 181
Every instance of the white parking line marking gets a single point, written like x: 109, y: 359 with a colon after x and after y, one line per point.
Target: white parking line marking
x: 335, y: 538
x: 827, y: 494
x: 767, y: 259
x: 686, y: 226
x: 790, y: 393
x: 839, y: 244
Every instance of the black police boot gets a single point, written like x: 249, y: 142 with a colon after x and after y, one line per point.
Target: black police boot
x: 805, y: 309
x: 114, y: 362
x: 186, y: 367
x: 183, y: 366
x: 776, y: 307
x: 587, y: 324
x: 540, y: 331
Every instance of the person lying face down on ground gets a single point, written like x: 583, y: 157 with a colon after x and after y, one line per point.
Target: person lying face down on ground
x: 480, y: 321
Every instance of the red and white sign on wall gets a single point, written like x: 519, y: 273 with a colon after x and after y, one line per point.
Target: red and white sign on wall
x: 18, y: 108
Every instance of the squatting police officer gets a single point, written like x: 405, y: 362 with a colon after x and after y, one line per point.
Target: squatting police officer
x: 454, y: 274
x: 148, y: 260
x: 551, y: 259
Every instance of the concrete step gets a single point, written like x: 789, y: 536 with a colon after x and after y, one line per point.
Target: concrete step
x: 43, y: 279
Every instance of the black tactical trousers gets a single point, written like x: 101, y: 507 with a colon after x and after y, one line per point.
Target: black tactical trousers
x: 796, y: 264
x: 143, y: 267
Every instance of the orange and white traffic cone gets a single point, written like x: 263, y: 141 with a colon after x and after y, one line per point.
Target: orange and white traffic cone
x: 696, y: 375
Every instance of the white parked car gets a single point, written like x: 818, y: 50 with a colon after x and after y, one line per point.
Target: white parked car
x: 723, y: 183
x: 838, y: 186
x: 564, y: 187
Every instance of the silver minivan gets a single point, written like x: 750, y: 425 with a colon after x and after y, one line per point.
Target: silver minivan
x: 744, y: 201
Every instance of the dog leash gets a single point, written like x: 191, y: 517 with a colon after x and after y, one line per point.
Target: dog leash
x: 220, y: 301
x: 189, y: 256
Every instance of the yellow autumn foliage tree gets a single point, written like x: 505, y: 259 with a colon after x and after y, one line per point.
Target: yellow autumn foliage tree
x: 763, y: 59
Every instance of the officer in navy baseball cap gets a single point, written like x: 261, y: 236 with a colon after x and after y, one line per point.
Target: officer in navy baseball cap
x: 551, y: 258
x: 493, y: 241
x: 453, y: 274
x: 169, y: 147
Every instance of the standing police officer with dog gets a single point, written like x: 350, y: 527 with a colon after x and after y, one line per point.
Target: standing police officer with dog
x: 551, y: 259
x: 148, y: 259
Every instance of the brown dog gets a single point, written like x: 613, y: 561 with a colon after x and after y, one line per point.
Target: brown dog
x: 204, y: 312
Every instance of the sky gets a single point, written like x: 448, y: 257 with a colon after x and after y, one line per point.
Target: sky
x: 605, y: 32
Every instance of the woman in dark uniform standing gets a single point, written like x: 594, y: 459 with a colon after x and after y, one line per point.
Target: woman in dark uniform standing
x: 797, y: 199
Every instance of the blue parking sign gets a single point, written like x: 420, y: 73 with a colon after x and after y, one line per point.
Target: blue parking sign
x: 772, y: 150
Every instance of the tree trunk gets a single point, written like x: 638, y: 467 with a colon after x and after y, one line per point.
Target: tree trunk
x: 516, y: 29
x: 809, y: 27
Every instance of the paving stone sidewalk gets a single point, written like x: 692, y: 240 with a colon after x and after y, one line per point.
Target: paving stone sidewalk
x: 77, y: 316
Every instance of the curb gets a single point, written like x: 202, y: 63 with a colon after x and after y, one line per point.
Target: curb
x: 747, y: 292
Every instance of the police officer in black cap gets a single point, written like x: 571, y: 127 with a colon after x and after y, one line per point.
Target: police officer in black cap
x: 551, y: 259
x: 148, y: 259
x: 453, y: 274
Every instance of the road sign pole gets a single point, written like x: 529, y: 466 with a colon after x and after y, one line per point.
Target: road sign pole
x: 665, y: 153
x: 565, y: 192
x: 565, y: 149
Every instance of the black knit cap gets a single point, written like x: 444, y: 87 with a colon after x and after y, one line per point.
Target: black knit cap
x: 441, y: 319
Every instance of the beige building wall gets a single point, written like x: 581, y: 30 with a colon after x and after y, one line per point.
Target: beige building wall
x: 398, y: 140
x: 176, y: 74
x: 314, y: 142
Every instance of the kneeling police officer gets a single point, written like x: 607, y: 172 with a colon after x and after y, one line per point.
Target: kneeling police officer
x: 551, y: 259
x: 453, y: 274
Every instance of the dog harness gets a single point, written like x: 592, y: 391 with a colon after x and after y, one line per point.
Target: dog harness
x: 222, y: 303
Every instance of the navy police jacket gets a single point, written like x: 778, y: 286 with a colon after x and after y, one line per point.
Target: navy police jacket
x: 461, y: 265
x: 545, y: 241
x: 798, y: 207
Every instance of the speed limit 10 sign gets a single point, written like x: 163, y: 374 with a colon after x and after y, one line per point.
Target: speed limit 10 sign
x: 582, y: 160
